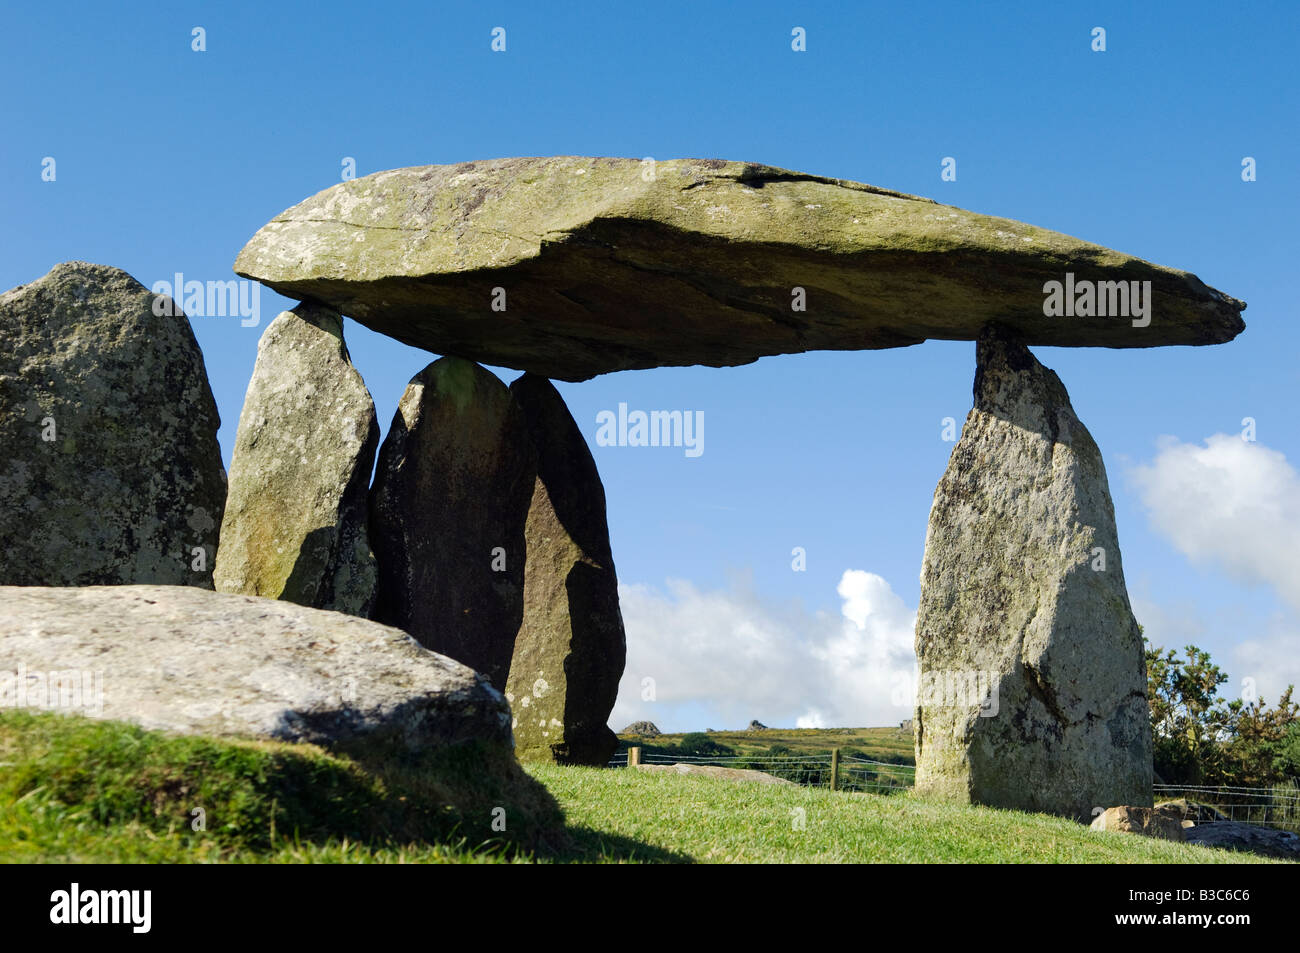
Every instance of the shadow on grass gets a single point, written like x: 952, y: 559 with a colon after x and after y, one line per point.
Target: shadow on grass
x: 255, y: 795
x: 585, y: 845
x: 481, y: 787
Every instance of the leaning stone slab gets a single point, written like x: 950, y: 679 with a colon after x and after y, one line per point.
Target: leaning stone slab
x: 570, y: 266
x: 110, y: 470
x: 447, y: 514
x: 295, y: 521
x: 1032, y: 687
x: 186, y: 660
x: 570, y: 650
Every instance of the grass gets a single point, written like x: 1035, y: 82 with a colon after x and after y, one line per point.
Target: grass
x: 726, y: 822
x: 75, y: 790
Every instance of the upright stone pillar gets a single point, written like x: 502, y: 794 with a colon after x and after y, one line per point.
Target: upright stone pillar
x: 570, y: 650
x: 451, y: 494
x: 295, y: 523
x: 1033, y: 679
x: 110, y: 471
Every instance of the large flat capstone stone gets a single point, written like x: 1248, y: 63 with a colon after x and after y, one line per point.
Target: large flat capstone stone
x: 571, y: 267
x: 188, y: 660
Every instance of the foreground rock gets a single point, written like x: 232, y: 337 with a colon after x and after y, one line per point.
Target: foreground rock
x: 714, y: 771
x: 1234, y: 835
x: 1033, y: 681
x: 295, y: 521
x: 186, y: 660
x: 570, y: 650
x: 454, y: 480
x: 611, y: 264
x: 1149, y: 822
x: 110, y: 470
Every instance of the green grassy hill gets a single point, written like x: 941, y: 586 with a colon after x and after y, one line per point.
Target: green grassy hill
x: 800, y: 754
x: 73, y: 790
x: 879, y: 744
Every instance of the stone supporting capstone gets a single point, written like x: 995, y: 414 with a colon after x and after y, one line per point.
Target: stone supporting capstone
x: 295, y: 521
x: 1032, y: 691
x: 570, y: 649
x: 488, y: 518
x: 447, y: 512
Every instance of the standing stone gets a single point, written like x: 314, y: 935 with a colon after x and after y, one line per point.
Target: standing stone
x: 110, y: 472
x: 1022, y: 595
x: 447, y: 513
x: 295, y: 523
x: 570, y: 650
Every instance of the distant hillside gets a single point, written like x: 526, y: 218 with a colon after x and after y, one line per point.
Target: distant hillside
x: 878, y: 744
x: 798, y: 754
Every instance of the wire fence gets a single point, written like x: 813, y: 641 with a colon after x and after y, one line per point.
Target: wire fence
x: 1276, y: 806
x: 844, y: 773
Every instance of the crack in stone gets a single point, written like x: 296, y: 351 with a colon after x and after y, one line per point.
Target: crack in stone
x: 1040, y: 689
x: 339, y: 221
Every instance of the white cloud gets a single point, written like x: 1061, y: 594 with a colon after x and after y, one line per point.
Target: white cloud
x: 1231, y: 503
x: 728, y: 656
x: 1166, y: 626
x: 1234, y: 505
x: 1271, y: 662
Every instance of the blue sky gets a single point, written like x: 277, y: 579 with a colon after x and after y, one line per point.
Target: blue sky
x: 168, y: 160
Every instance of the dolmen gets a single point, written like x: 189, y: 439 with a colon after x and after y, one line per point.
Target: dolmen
x: 483, y: 534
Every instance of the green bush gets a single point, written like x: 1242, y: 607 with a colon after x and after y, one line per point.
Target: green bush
x: 697, y: 744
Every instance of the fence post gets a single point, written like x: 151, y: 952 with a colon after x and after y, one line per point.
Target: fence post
x: 633, y: 757
x: 835, y: 769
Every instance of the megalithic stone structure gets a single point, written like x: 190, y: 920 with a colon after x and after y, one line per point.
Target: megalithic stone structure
x: 295, y: 522
x: 609, y: 268
x: 567, y: 267
x: 570, y: 650
x: 1032, y: 690
x: 447, y: 512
